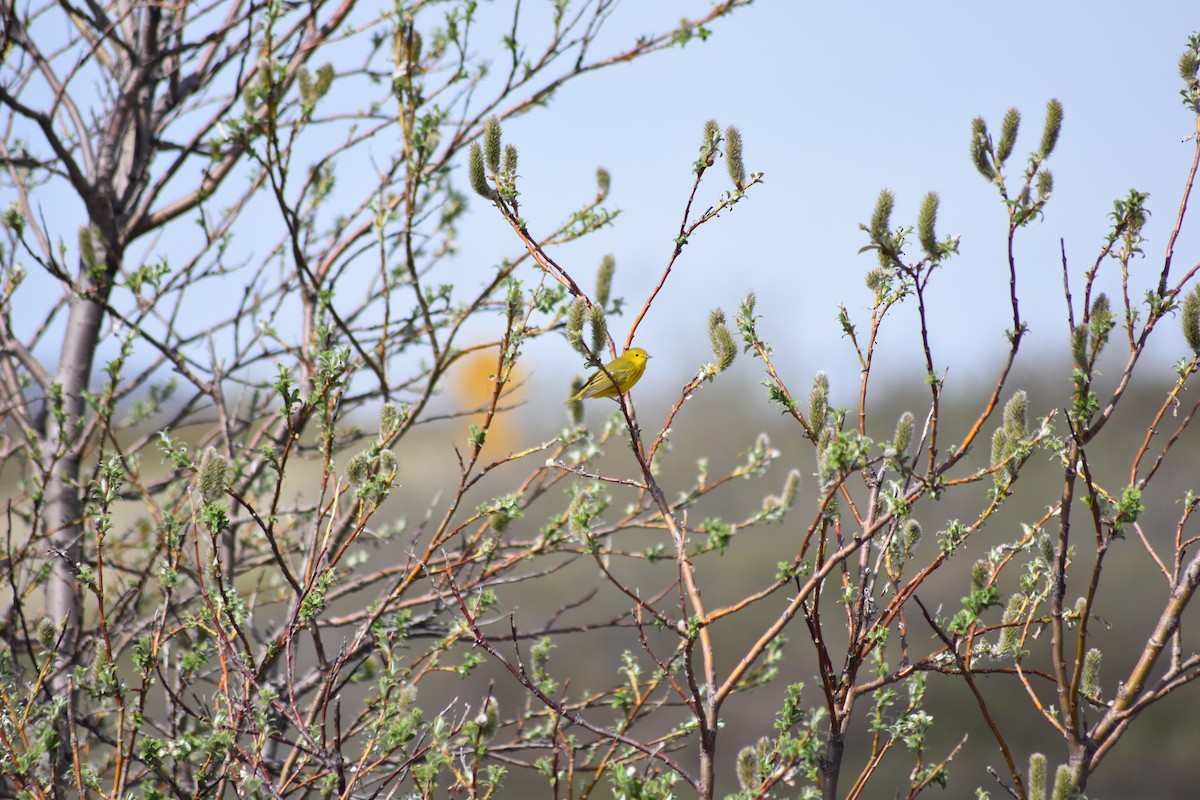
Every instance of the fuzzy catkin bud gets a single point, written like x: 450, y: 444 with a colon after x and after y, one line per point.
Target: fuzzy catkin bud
x: 825, y: 471
x: 1191, y: 319
x: 390, y: 420
x: 1079, y: 343
x: 877, y: 279
x: 1062, y: 783
x: 406, y: 699
x: 904, y: 432
x: 999, y: 449
x: 47, y: 632
x: 1189, y: 63
x: 979, y: 575
x: 488, y: 719
x: 818, y: 401
x: 712, y: 136
x: 603, y: 182
x: 1045, y: 184
x: 388, y: 464
x: 981, y: 146
x: 724, y: 350
x: 746, y: 309
x: 1037, y: 777
x: 1054, y: 120
x: 325, y: 78
x: 912, y: 537
x: 747, y: 769
x: 212, y: 475
x: 790, y: 487
x: 1101, y: 323
x: 509, y: 168
x: 733, y: 156
x: 599, y: 329
x: 881, y: 218
x: 539, y: 657
x: 604, y: 277
x: 1008, y: 135
x: 358, y: 469
x: 926, y: 220
x: 1046, y: 550
x: 304, y: 78
x: 579, y: 513
x: 1091, y: 673
x: 491, y: 144
x: 87, y: 249
x: 1015, y: 426
x: 1010, y: 637
x: 477, y: 173
x: 575, y: 314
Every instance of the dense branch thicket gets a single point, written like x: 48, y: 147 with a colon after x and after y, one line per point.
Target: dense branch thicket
x: 212, y: 382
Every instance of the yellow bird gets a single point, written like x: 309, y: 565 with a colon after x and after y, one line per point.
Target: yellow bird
x: 626, y: 370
